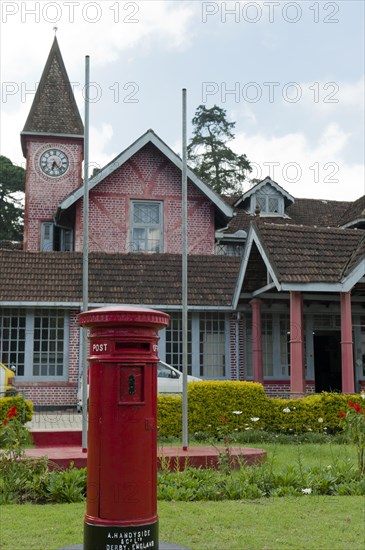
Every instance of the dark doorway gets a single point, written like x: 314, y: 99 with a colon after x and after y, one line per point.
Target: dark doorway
x: 327, y: 361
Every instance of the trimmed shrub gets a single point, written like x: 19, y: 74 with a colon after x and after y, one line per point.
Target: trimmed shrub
x: 169, y: 415
x: 217, y: 404
x: 209, y: 403
x: 6, y: 403
x: 220, y: 408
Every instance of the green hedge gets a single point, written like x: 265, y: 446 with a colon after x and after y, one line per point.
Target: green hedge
x: 6, y: 403
x: 211, y: 405
x: 219, y: 407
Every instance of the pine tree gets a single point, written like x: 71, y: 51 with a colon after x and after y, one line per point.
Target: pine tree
x: 213, y: 161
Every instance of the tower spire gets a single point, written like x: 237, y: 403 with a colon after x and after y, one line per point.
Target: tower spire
x: 54, y: 110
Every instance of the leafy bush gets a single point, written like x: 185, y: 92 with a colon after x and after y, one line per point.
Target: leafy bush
x: 66, y: 485
x: 23, y: 480
x: 259, y: 481
x: 169, y: 415
x: 209, y: 402
x: 223, y: 408
x: 24, y: 408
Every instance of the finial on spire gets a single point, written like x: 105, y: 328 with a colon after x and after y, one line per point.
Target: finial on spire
x: 55, y: 30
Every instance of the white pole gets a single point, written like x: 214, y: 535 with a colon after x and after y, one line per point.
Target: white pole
x: 184, y: 278
x: 85, y: 256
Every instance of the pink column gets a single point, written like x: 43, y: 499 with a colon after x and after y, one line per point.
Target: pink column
x: 347, y: 355
x: 258, y: 371
x: 297, y: 372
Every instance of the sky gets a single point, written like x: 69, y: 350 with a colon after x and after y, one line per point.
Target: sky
x: 289, y: 74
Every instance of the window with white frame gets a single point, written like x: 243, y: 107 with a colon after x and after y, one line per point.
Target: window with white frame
x: 284, y: 344
x: 12, y: 338
x: 146, y: 226
x: 56, y: 238
x: 268, y: 204
x: 48, y: 350
x: 35, y: 342
x: 174, y: 342
x: 267, y: 344
x: 213, y: 351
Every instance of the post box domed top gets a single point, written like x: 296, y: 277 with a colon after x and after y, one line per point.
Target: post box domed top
x: 128, y: 315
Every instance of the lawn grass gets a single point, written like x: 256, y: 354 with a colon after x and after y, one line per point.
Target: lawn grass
x: 284, y: 455
x: 304, y: 523
x: 310, y: 455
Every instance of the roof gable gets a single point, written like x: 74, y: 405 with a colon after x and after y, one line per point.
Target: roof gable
x: 261, y: 187
x: 355, y: 214
x: 149, y: 137
x: 303, y: 258
x: 54, y: 110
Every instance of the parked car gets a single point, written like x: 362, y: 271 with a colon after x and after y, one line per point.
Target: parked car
x: 7, y: 381
x: 169, y: 380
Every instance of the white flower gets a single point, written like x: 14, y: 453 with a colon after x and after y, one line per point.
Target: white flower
x: 320, y: 420
x: 237, y: 412
x: 255, y: 419
x: 286, y: 410
x: 362, y: 395
x: 307, y: 491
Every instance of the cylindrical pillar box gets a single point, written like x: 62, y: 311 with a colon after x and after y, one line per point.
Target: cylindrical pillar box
x: 121, y: 508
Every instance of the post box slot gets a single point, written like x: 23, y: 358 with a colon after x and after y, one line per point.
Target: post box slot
x: 131, y: 385
x: 143, y: 346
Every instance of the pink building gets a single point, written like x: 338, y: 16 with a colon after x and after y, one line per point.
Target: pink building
x: 276, y: 284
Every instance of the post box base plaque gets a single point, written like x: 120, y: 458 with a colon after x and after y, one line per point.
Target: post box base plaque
x: 136, y: 537
x: 162, y: 546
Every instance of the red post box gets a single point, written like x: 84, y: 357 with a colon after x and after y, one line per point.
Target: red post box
x: 121, y: 511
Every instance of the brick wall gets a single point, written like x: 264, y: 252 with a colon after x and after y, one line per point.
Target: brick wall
x: 148, y: 175
x: 43, y: 194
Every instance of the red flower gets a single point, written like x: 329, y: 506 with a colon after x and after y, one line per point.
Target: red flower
x: 223, y: 420
x: 355, y: 406
x: 12, y: 412
x: 5, y: 422
x: 341, y: 414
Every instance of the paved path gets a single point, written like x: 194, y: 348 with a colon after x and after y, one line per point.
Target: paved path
x: 55, y: 420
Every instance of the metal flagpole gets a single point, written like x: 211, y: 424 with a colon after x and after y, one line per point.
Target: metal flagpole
x: 184, y: 278
x: 85, y: 256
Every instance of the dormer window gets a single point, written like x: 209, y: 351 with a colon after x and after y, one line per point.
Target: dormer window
x: 268, y: 204
x: 268, y: 196
x: 269, y: 200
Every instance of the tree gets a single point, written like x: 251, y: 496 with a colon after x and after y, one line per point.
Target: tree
x: 12, y: 184
x: 213, y: 161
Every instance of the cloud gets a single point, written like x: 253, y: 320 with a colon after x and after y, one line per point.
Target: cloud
x: 102, y: 30
x: 99, y: 141
x: 313, y: 169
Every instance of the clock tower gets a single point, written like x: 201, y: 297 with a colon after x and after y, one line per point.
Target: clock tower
x: 52, y: 142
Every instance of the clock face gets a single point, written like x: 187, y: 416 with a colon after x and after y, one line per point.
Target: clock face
x: 54, y: 162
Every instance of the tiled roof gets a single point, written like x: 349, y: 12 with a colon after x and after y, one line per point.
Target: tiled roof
x: 354, y: 212
x: 318, y: 212
x: 311, y: 254
x: 114, y: 278
x: 304, y: 211
x: 54, y: 109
